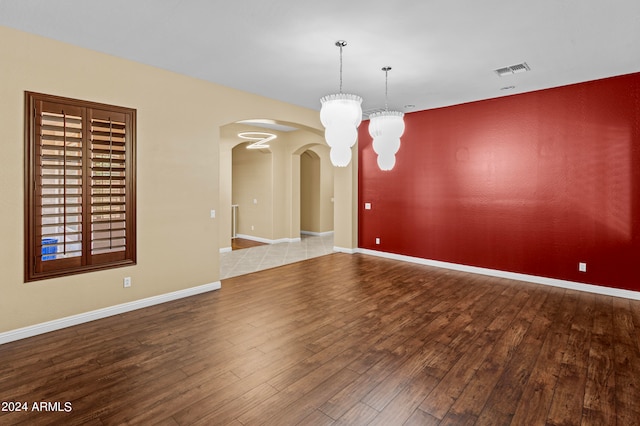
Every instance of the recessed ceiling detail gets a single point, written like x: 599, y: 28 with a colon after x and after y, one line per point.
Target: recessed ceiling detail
x: 513, y: 69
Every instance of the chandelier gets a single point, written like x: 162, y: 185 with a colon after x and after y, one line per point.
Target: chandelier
x: 341, y: 114
x: 386, y: 128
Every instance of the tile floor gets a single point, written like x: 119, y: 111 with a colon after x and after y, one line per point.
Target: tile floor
x: 245, y: 261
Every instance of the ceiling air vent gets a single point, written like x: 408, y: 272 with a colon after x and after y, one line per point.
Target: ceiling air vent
x: 513, y: 69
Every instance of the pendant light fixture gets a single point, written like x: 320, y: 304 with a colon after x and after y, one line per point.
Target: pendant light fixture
x: 259, y: 140
x: 386, y: 128
x: 341, y: 114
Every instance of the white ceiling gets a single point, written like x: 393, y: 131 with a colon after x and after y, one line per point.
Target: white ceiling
x: 442, y: 52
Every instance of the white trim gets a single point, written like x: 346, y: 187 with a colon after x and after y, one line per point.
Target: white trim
x: 252, y: 238
x: 225, y: 249
x: 345, y: 250
x: 268, y: 241
x: 45, y: 327
x: 316, y: 234
x: 590, y: 288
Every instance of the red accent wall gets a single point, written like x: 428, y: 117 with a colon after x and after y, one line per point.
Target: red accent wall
x: 531, y: 183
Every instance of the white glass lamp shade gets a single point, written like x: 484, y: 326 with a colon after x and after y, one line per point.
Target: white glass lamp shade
x: 341, y: 114
x: 340, y: 156
x: 386, y: 128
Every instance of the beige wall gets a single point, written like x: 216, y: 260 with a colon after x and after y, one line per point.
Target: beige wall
x: 316, y: 190
x: 309, y: 191
x: 179, y: 122
x: 345, y: 220
x: 252, y: 191
x: 326, y: 188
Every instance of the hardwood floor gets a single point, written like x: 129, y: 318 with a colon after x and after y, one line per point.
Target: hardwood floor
x: 242, y: 243
x: 342, y: 339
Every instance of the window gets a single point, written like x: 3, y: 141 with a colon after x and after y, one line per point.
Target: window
x: 79, y: 186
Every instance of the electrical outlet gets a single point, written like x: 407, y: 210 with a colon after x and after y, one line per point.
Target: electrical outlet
x: 367, y: 206
x: 377, y: 240
x: 126, y: 282
x: 582, y: 267
x: 253, y: 228
x: 212, y: 214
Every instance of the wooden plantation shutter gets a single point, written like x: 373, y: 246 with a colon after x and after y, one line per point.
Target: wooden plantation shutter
x: 80, y: 186
x: 59, y: 185
x: 108, y: 186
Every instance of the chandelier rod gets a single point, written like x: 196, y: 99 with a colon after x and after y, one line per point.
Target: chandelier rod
x: 341, y: 44
x: 386, y: 87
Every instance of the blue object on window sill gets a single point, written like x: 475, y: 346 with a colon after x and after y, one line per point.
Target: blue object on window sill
x: 50, y: 248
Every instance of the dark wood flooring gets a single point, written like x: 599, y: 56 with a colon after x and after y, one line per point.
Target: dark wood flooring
x: 342, y: 339
x: 242, y: 243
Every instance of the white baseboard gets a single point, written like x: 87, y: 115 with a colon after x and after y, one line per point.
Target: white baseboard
x: 266, y: 240
x: 316, y: 234
x: 45, y: 327
x: 225, y: 249
x: 345, y: 250
x: 590, y: 288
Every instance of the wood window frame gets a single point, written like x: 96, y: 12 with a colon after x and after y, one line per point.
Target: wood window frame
x: 93, y: 191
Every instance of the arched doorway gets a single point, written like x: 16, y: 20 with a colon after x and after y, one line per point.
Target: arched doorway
x: 265, y: 186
